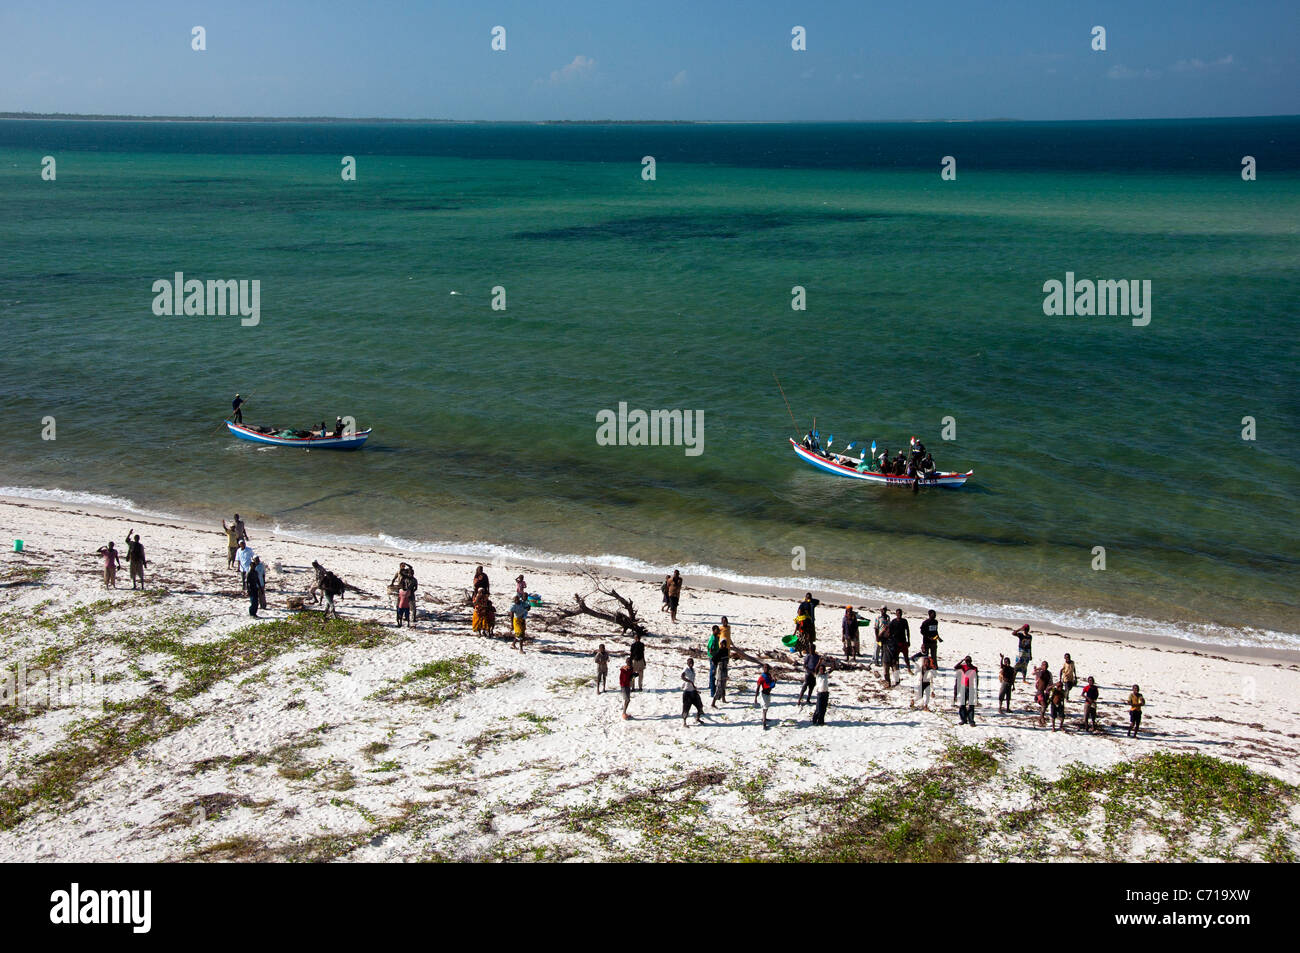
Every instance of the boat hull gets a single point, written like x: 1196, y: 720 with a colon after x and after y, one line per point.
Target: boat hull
x: 830, y: 466
x: 352, y: 441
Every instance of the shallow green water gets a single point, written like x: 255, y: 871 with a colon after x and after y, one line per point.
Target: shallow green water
x: 924, y: 301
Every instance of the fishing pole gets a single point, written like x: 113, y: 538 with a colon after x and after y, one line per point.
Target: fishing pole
x: 787, y: 403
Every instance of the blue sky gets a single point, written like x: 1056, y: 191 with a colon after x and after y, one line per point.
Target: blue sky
x: 660, y: 59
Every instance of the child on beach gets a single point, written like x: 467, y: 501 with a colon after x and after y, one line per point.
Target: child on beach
x: 625, y: 686
x: 810, y: 663
x: 1056, y: 696
x: 823, y: 695
x: 1135, y: 704
x: 925, y: 685
x: 519, y: 621
x: 602, y: 667
x: 968, y: 678
x: 763, y: 687
x: 720, y: 661
x: 1090, y: 693
x: 724, y: 632
x: 403, y: 607
x: 710, y: 647
x: 111, y: 563
x: 1042, y: 684
x: 690, y: 694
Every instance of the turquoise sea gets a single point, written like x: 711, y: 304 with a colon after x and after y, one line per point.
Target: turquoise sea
x: 924, y: 301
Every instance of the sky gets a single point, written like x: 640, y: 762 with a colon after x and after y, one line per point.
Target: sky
x: 654, y: 60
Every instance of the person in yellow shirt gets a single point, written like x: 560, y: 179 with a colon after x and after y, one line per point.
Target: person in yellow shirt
x: 1135, y: 704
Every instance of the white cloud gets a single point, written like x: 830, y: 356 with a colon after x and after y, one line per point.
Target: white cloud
x: 679, y: 81
x: 1123, y: 72
x: 1199, y: 66
x: 581, y: 68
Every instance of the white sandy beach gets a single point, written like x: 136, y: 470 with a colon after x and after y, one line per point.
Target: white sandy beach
x: 323, y: 750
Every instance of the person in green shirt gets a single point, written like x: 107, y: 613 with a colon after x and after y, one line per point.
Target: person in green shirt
x: 709, y: 649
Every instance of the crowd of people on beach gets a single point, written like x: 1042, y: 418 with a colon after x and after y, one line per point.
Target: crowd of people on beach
x: 892, y: 636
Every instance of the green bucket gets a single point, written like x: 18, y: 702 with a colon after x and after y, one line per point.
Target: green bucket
x: 18, y: 545
x: 789, y: 641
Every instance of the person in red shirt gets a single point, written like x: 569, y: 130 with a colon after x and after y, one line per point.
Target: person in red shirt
x: 764, y: 687
x: 625, y: 685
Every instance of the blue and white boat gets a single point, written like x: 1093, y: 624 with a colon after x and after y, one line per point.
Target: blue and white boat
x: 312, y: 441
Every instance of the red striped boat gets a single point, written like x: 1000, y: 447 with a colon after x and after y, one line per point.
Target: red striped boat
x: 848, y: 468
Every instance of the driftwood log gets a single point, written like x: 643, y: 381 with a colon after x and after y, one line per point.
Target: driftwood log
x: 623, y: 616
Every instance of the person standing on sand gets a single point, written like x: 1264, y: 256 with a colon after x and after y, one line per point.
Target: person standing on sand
x: 482, y: 617
x: 1025, y: 652
x: 403, y: 606
x: 1056, y: 698
x: 331, y: 585
x: 135, y: 558
x: 930, y: 637
x: 1006, y: 679
x: 690, y: 694
x: 1069, y: 677
x: 602, y: 667
x: 898, y: 641
x: 810, y: 663
x: 925, y: 686
x: 663, y: 588
x: 969, y: 677
x: 881, y: 629
x: 849, y: 633
x: 481, y: 581
x: 674, y: 594
x: 724, y: 632
x: 823, y: 695
x: 519, y: 621
x: 1090, y: 694
x: 710, y: 647
x: 521, y: 589
x: 1042, y: 683
x: 111, y: 563
x: 625, y: 686
x: 720, y: 661
x: 1135, y: 705
x: 260, y: 568
x: 636, y: 656
x: 889, y: 656
x: 232, y: 543
x: 410, y: 585
x: 763, y: 687
x: 244, y: 559
x: 253, y: 586
x: 808, y: 609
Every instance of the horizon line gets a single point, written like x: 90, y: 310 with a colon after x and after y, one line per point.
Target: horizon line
x: 129, y: 117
